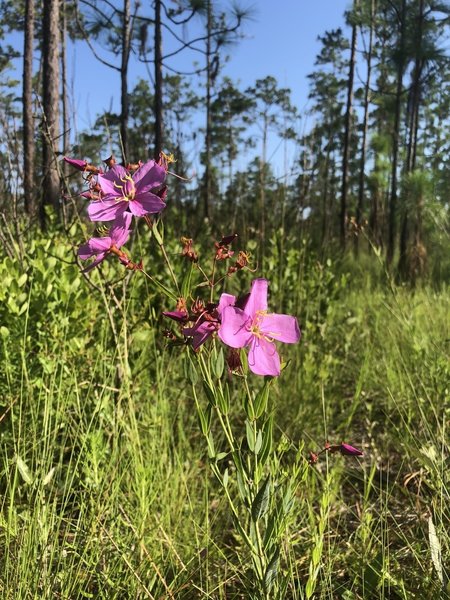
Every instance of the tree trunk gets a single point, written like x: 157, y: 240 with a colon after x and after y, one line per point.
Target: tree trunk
x: 65, y: 96
x: 50, y: 105
x: 27, y: 103
x: 207, y: 188
x: 348, y: 124
x: 396, y: 139
x: 158, y: 82
x: 365, y: 126
x: 126, y: 40
x: 325, y: 225
x: 404, y: 266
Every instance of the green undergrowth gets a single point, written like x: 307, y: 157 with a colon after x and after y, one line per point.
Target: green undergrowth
x: 106, y: 490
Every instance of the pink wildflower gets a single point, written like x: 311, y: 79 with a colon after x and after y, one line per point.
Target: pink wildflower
x: 208, y: 322
x: 255, y: 327
x: 100, y: 247
x: 121, y: 191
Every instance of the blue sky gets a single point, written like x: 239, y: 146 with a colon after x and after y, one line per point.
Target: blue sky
x: 280, y: 40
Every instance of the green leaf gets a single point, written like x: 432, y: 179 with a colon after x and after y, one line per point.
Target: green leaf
x: 211, y: 447
x: 220, y: 364
x: 260, y: 402
x: 272, y: 525
x: 266, y: 441
x: 244, y: 361
x: 4, y: 332
x: 248, y: 406
x: 23, y: 308
x: 258, y: 441
x: 49, y: 476
x: 261, y: 501
x: 186, y: 285
x: 250, y: 435
x: 24, y: 470
x: 204, y: 420
x: 191, y: 373
x: 159, y: 237
x: 22, y: 280
x: 272, y: 570
x: 223, y: 401
x: 225, y: 478
x: 210, y: 393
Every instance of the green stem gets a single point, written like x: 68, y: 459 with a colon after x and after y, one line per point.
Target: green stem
x: 169, y: 266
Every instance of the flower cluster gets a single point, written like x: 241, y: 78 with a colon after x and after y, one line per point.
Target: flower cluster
x: 138, y: 190
x: 242, y: 323
x: 116, y: 196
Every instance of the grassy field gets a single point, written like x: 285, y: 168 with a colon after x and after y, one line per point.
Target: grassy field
x: 106, y: 487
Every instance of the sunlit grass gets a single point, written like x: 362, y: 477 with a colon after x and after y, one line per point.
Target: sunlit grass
x: 106, y: 487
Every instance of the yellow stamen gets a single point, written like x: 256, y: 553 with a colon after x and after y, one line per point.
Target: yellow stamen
x: 255, y: 327
x: 131, y: 193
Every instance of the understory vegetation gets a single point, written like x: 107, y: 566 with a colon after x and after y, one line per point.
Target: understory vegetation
x: 106, y: 490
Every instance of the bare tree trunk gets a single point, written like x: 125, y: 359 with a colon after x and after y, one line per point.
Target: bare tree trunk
x: 404, y: 266
x: 348, y: 124
x: 396, y: 139
x: 27, y: 103
x: 50, y: 104
x: 365, y: 127
x: 158, y: 82
x: 207, y: 190
x: 65, y: 95
x: 126, y: 40
x: 325, y: 225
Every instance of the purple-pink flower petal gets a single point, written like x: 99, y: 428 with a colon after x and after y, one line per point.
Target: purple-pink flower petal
x: 106, y: 210
x: 252, y: 325
x: 283, y: 328
x: 100, y: 244
x: 200, y: 333
x: 235, y: 328
x: 97, y: 261
x: 114, y: 176
x: 149, y: 176
x: 263, y: 358
x: 258, y: 297
x: 145, y: 204
x: 224, y: 301
x: 120, y: 229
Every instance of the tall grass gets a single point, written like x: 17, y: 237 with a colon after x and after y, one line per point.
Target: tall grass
x: 106, y: 489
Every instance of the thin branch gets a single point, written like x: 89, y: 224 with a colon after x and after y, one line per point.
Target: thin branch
x: 91, y: 47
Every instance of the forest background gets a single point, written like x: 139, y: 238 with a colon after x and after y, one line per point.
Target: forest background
x: 340, y: 197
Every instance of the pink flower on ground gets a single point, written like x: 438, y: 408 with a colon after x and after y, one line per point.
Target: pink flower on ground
x: 100, y: 247
x: 121, y: 191
x: 255, y: 327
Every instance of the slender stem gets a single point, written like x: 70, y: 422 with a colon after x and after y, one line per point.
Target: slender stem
x: 169, y: 266
x: 204, y: 274
x: 164, y: 253
x: 211, y: 294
